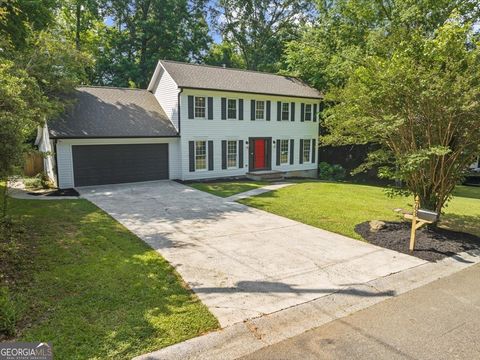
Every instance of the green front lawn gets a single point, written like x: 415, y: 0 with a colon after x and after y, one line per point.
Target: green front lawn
x: 92, y: 288
x: 338, y: 207
x: 228, y: 188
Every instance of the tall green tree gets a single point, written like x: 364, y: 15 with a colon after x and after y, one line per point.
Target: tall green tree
x: 145, y: 31
x: 421, y: 103
x: 259, y: 29
x: 345, y: 31
x: 224, y: 54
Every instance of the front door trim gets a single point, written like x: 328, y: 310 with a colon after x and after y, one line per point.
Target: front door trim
x: 251, y: 153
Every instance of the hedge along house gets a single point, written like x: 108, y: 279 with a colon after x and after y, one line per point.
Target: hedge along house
x: 193, y: 122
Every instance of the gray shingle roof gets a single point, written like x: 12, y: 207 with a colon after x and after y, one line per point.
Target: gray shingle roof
x: 112, y: 112
x: 227, y: 79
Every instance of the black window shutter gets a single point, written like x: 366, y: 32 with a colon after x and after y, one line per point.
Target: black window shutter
x: 210, y: 155
x: 292, y: 110
x: 252, y: 110
x: 314, y: 112
x: 240, y: 154
x: 279, y: 111
x: 302, y: 112
x: 278, y: 152
x: 301, y: 152
x: 224, y: 154
x: 292, y: 151
x: 269, y: 105
x: 210, y: 108
x: 314, y: 150
x: 224, y: 108
x: 190, y: 106
x: 191, y: 155
x: 240, y: 109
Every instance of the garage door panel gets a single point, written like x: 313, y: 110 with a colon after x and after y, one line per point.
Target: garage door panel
x: 110, y: 164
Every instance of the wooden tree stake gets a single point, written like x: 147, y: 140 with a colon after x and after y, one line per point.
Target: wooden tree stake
x: 414, y: 223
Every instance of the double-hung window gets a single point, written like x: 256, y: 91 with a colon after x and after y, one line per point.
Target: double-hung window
x: 308, y: 112
x: 232, y: 108
x: 283, y: 152
x: 200, y: 155
x: 260, y: 110
x: 232, y: 150
x: 200, y: 107
x: 307, y: 150
x: 285, y: 111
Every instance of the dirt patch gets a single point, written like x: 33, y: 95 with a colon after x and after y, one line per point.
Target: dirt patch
x: 432, y: 244
x: 58, y: 192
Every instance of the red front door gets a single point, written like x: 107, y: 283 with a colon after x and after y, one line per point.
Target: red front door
x: 259, y: 154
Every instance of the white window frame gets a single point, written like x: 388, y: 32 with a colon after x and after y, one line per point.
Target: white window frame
x: 309, y: 112
x: 195, y: 107
x: 236, y: 109
x: 206, y: 155
x: 264, y: 109
x: 236, y: 154
x: 282, y: 111
x: 287, y: 161
x: 309, y: 151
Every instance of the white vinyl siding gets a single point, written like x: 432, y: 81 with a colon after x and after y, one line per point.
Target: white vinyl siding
x: 166, y: 93
x: 200, y: 155
x: 218, y: 130
x: 65, y: 162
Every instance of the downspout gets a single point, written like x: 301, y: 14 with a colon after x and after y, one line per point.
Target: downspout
x: 56, y: 161
x: 179, y: 94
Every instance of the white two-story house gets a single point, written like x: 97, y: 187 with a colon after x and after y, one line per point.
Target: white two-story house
x: 193, y: 122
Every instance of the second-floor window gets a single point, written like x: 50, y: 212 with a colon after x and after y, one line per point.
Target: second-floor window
x: 231, y: 154
x: 307, y: 150
x: 308, y: 112
x: 285, y: 111
x: 283, y: 151
x: 200, y: 107
x: 200, y: 155
x: 232, y: 108
x: 260, y: 110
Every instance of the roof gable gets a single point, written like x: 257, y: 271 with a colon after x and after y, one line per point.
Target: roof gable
x: 234, y: 80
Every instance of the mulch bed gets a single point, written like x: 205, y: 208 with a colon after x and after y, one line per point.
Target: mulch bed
x: 432, y: 244
x: 58, y: 192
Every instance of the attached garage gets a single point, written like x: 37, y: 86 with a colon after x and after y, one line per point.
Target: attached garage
x: 112, y: 164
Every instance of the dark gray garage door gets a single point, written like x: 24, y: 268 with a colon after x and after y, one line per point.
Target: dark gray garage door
x: 111, y: 164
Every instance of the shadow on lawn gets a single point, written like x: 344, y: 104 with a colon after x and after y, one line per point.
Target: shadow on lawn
x: 268, y: 287
x: 465, y: 223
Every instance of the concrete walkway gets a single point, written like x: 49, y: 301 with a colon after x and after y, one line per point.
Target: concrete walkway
x: 437, y: 321
x: 242, y: 262
x: 255, y: 192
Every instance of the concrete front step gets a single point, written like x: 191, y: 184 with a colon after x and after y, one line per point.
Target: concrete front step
x: 267, y: 175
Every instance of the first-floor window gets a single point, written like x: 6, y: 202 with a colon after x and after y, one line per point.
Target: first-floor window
x: 283, y: 151
x: 231, y: 154
x: 200, y: 107
x: 308, y: 112
x: 285, y: 111
x: 307, y: 150
x: 200, y: 155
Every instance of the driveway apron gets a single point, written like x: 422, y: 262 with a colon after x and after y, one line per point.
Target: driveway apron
x: 240, y: 261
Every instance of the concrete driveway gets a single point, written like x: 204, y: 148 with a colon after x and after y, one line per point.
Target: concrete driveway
x: 243, y: 262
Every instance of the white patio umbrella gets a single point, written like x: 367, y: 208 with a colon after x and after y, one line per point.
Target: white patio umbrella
x: 43, y: 143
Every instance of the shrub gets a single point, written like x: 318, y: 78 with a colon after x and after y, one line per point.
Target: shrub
x: 331, y: 172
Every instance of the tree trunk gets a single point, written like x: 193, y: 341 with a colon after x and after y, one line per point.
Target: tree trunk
x: 78, y: 15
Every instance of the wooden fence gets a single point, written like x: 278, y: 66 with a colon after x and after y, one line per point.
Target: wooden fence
x: 33, y: 164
